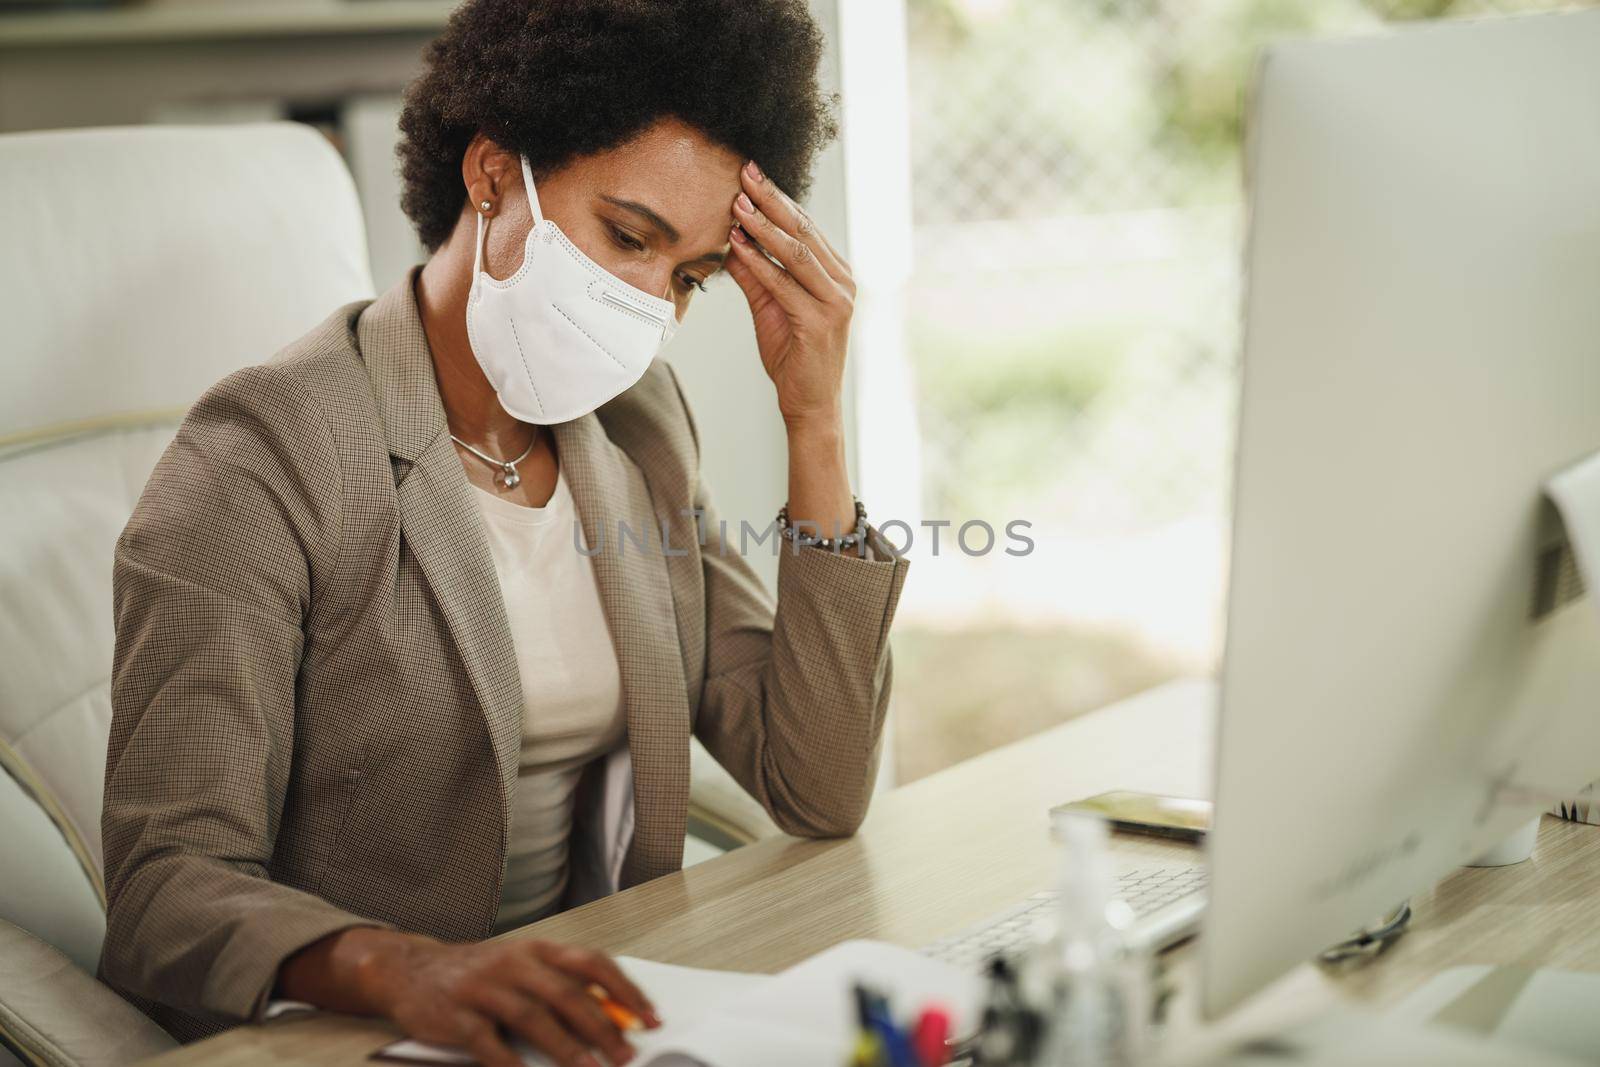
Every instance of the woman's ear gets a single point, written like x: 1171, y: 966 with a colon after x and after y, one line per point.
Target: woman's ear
x: 485, y: 170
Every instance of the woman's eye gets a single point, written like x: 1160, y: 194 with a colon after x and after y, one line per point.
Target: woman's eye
x: 626, y: 240
x: 689, y: 280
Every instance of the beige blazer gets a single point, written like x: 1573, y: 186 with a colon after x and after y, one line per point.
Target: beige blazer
x: 316, y: 707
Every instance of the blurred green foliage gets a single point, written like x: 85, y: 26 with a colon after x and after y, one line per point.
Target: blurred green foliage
x: 1046, y: 80
x: 1026, y: 111
x: 1060, y: 368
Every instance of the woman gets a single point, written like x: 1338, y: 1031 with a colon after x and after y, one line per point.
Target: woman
x: 387, y: 680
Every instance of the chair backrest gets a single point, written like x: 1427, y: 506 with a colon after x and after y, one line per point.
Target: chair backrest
x: 138, y: 266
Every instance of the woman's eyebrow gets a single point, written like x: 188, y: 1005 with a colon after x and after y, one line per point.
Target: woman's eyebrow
x: 645, y: 213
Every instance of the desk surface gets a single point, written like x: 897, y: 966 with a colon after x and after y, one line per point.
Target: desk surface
x: 960, y: 845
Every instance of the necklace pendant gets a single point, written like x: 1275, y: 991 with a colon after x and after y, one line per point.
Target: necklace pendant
x: 509, y: 477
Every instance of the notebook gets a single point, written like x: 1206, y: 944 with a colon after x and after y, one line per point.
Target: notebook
x: 800, y: 1018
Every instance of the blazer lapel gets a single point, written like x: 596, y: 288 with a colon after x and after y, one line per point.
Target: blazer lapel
x: 439, y: 520
x: 636, y: 595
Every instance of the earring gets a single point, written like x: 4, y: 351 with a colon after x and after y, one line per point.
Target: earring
x: 485, y: 206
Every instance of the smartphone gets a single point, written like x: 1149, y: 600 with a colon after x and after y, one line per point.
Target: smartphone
x: 1146, y: 813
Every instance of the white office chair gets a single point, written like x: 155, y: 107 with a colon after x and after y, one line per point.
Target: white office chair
x: 137, y: 267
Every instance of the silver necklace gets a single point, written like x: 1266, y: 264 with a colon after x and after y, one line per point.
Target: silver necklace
x: 508, y: 467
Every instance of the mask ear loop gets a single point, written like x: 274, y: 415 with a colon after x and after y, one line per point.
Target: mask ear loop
x: 533, y: 194
x: 477, y: 254
x: 533, y: 205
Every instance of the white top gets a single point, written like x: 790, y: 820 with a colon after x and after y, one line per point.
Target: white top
x: 571, y: 688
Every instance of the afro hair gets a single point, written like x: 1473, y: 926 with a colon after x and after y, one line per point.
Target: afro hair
x: 560, y: 79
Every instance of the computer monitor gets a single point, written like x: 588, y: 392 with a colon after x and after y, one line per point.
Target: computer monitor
x: 1422, y: 351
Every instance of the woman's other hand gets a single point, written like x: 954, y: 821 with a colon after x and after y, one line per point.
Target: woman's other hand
x: 473, y: 995
x: 801, y: 304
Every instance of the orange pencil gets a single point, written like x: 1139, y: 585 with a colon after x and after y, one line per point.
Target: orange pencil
x: 622, y: 1017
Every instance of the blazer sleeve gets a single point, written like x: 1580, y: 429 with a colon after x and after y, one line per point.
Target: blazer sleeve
x: 795, y: 694
x: 211, y: 584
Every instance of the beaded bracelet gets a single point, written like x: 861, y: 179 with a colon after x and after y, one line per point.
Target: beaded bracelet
x: 840, y: 544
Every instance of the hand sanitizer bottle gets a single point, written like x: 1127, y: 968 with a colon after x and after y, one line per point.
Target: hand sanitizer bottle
x: 1096, y: 980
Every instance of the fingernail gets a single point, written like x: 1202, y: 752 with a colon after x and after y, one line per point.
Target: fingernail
x: 736, y: 235
x: 745, y: 204
x: 652, y: 1020
x: 753, y: 170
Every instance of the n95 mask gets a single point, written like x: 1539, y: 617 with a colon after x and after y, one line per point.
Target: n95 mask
x: 562, y: 335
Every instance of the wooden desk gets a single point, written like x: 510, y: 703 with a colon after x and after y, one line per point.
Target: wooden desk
x: 960, y: 845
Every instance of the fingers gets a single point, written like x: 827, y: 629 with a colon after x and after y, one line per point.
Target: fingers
x: 601, y: 969
x: 536, y: 1025
x: 772, y: 203
x: 744, y: 276
x: 779, y: 283
x: 478, y: 1035
x: 796, y: 256
x: 459, y: 995
x: 572, y: 1006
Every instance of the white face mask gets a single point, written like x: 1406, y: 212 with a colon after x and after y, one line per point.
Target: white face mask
x: 562, y: 335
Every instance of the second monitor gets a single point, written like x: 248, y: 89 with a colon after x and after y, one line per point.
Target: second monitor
x: 1422, y: 351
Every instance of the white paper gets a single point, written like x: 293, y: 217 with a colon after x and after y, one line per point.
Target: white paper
x: 801, y: 1018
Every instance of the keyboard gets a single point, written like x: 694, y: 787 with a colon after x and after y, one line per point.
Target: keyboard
x: 1167, y: 903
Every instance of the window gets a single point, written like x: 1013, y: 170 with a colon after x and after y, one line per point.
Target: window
x: 1072, y: 325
